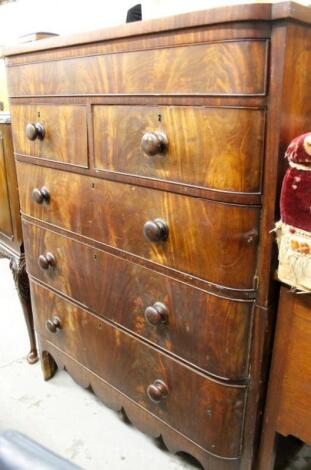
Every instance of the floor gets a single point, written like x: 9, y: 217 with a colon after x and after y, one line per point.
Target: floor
x: 74, y: 423
x: 61, y: 415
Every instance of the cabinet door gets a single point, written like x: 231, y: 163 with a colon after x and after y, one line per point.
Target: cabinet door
x: 6, y: 228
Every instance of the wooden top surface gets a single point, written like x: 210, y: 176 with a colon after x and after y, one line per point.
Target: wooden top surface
x: 248, y: 12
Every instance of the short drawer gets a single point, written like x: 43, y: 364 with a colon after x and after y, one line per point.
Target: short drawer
x: 213, y: 241
x: 210, y: 332
x: 51, y: 132
x: 206, y: 411
x: 216, y: 148
x: 220, y: 68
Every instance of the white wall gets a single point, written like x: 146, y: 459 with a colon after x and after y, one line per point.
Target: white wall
x: 59, y: 16
x: 74, y: 16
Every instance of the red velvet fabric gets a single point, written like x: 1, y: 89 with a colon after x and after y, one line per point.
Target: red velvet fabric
x: 299, y: 150
x: 296, y: 199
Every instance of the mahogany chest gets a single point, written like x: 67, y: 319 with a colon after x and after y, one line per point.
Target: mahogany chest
x: 148, y: 158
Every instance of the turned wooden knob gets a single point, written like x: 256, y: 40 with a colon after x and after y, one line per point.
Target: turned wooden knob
x: 157, y: 391
x: 40, y: 195
x: 156, y: 314
x: 47, y: 260
x: 35, y: 131
x: 53, y: 325
x: 153, y: 143
x: 156, y: 230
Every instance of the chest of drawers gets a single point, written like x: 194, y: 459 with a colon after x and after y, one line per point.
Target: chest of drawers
x: 148, y: 159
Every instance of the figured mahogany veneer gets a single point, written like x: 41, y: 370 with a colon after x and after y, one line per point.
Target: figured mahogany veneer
x: 228, y: 68
x: 197, y: 323
x: 64, y: 136
x: 198, y: 242
x: 218, y: 148
x: 132, y: 367
x: 149, y: 160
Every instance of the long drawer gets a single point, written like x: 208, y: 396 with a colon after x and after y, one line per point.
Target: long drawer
x: 206, y: 411
x: 210, y: 332
x: 213, y: 241
x: 217, y: 148
x: 63, y: 136
x: 221, y: 68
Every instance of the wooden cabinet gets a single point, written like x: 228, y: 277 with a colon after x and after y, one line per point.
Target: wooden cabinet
x: 10, y: 222
x: 11, y: 240
x: 289, y: 392
x: 148, y: 160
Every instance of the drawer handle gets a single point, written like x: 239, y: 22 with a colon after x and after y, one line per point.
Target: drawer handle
x: 47, y: 260
x: 153, y: 143
x: 35, y: 131
x: 156, y: 230
x: 40, y: 195
x: 156, y: 314
x: 53, y: 325
x: 157, y: 391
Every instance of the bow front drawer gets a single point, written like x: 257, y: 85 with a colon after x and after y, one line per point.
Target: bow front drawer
x: 51, y: 132
x: 213, y: 241
x: 208, y: 331
x: 220, y: 68
x: 216, y: 148
x: 206, y: 411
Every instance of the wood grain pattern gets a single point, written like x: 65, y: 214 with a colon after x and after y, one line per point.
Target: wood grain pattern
x: 130, y: 366
x: 176, y: 442
x: 289, y: 393
x: 10, y: 225
x: 210, y: 332
x: 218, y: 148
x: 291, y: 43
x: 294, y: 415
x: 206, y: 238
x: 199, y: 243
x: 6, y: 226
x: 289, y: 114
x: 229, y: 68
x: 65, y: 138
x: 198, y: 35
x: 227, y: 16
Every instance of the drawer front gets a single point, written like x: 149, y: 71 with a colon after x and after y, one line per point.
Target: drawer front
x: 213, y: 241
x: 218, y: 148
x: 222, y: 68
x: 207, y: 331
x: 209, y: 413
x: 65, y: 132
